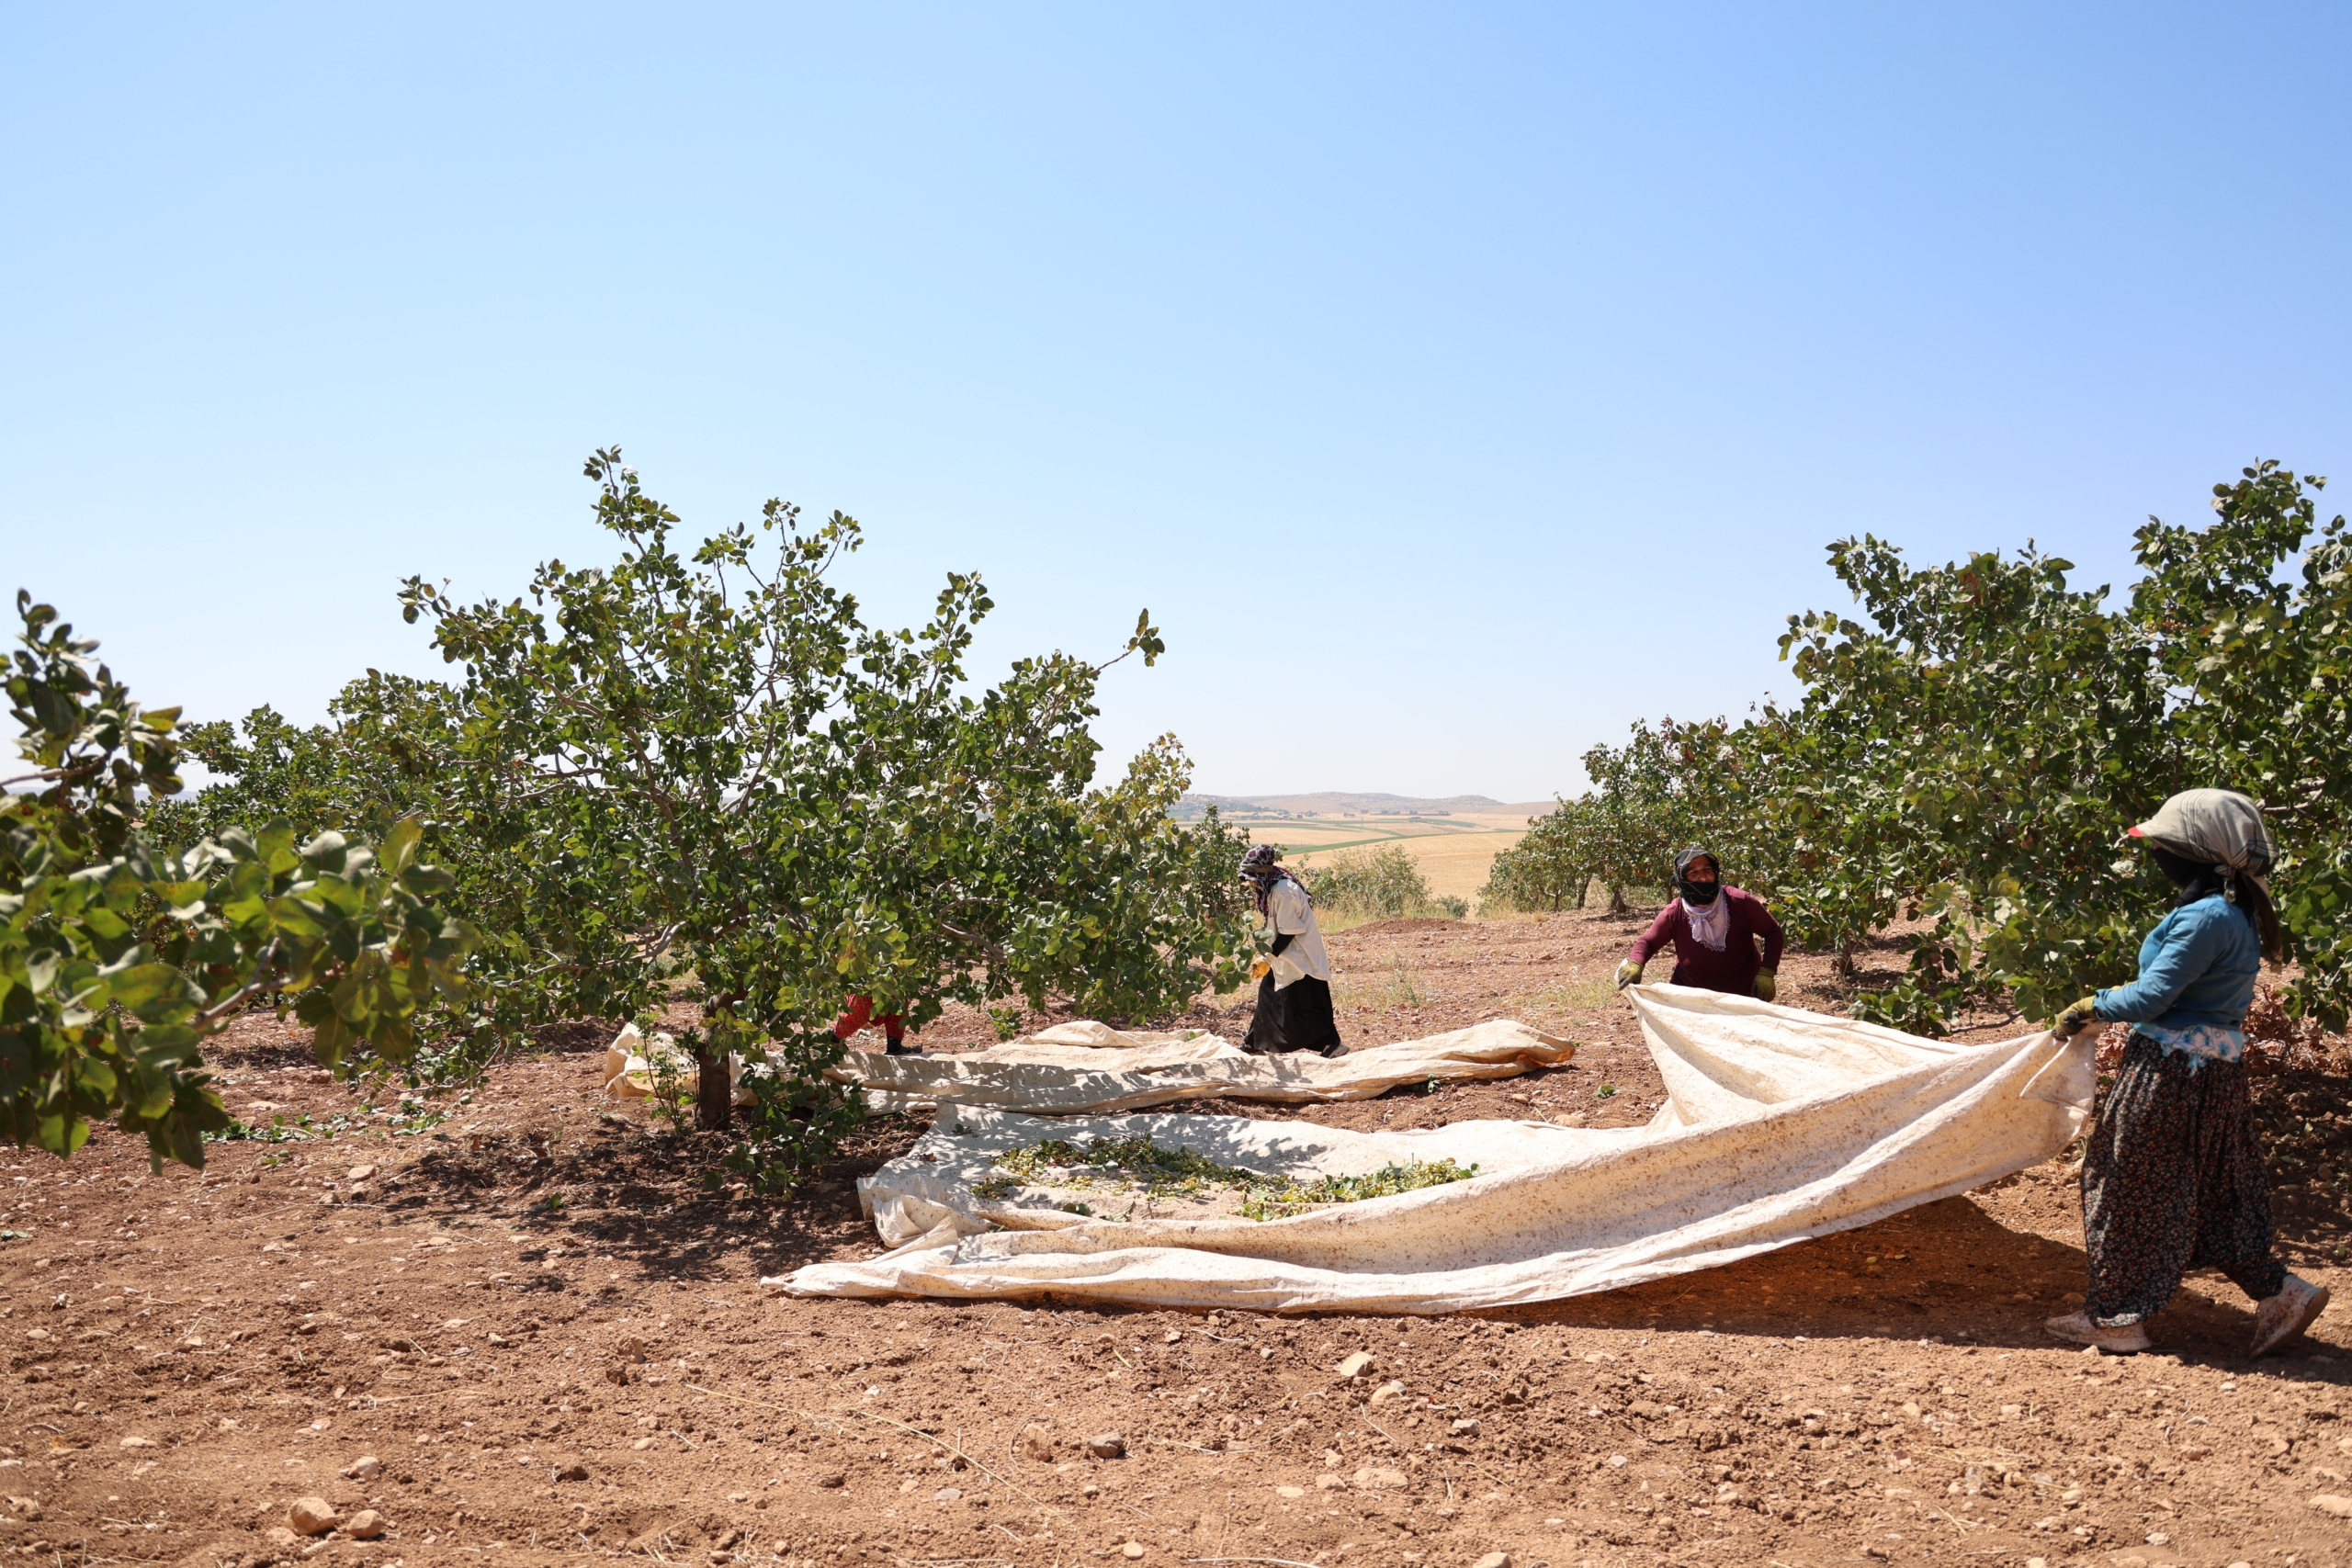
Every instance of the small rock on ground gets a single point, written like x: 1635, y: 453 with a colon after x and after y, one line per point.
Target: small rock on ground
x: 312, y: 1515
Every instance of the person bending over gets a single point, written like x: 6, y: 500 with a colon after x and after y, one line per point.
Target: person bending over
x: 1714, y: 930
x: 1294, y: 988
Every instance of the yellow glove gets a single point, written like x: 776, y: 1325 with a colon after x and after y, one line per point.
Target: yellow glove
x: 1260, y: 967
x: 1628, y: 974
x: 1765, y: 985
x: 2077, y: 1016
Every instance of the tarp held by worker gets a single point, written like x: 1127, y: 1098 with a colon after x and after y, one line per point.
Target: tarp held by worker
x: 1779, y: 1124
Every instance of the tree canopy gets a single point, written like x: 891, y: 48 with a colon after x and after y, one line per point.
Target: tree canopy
x: 1969, y: 751
x: 702, y: 763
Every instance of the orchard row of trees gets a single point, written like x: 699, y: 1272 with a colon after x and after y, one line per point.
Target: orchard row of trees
x: 1967, y: 754
x: 695, y: 766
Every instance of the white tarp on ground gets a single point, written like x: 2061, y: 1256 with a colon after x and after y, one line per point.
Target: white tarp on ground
x: 1088, y: 1066
x: 1780, y: 1124
x: 631, y: 1060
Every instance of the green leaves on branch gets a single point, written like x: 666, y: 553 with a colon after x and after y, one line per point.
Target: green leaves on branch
x: 118, y: 958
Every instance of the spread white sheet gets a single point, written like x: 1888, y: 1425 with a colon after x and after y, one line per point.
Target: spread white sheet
x: 1779, y: 1124
x: 1088, y: 1066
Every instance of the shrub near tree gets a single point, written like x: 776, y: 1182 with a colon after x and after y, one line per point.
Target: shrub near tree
x: 703, y: 764
x: 1383, y: 882
x: 120, y: 955
x: 1968, y: 751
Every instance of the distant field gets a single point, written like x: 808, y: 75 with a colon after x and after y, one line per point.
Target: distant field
x: 1454, y: 851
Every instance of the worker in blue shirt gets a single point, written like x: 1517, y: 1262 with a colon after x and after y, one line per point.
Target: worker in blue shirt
x: 2173, y: 1176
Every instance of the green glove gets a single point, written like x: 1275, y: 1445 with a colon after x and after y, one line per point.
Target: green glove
x: 1628, y: 974
x: 1765, y: 985
x: 2077, y: 1016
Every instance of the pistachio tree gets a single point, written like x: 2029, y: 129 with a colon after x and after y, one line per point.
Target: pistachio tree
x: 1671, y: 787
x: 1550, y: 868
x: 1970, y: 755
x: 2254, y: 650
x: 700, y: 765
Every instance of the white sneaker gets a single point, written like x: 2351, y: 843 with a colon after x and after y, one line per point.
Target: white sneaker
x: 2128, y: 1340
x: 2285, y: 1314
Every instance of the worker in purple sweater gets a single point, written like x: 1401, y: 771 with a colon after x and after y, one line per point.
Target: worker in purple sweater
x: 1714, y: 930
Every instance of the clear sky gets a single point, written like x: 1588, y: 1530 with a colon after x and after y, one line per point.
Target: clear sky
x: 1455, y: 384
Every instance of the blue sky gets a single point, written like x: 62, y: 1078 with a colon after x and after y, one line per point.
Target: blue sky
x: 1455, y: 385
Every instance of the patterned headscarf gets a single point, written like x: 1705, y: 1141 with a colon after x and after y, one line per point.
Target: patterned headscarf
x: 1258, y: 870
x: 2214, y: 826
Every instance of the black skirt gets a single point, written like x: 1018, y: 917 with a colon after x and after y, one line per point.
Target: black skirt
x: 1295, y: 1017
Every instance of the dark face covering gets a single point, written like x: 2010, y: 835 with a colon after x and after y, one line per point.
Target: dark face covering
x: 2194, y: 880
x: 1697, y: 886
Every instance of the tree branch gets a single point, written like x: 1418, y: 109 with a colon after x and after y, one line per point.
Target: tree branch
x: 265, y: 972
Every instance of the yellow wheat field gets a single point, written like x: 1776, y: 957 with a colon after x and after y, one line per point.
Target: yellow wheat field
x: 1454, y: 863
x: 1454, y: 854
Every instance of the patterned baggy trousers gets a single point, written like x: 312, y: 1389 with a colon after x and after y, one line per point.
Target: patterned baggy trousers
x: 2173, y: 1180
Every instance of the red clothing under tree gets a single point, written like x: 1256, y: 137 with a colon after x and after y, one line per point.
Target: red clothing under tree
x: 1695, y: 963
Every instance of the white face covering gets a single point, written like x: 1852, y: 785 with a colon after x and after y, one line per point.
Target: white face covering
x: 1710, y: 922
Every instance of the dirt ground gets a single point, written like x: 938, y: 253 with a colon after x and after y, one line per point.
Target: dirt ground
x: 550, y: 1337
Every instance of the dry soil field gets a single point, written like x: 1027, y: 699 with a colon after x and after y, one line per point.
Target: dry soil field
x: 526, y: 1335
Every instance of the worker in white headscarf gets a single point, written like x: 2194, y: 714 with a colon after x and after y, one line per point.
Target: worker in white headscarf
x: 1294, y: 983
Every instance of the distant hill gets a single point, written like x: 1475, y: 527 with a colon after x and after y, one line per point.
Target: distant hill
x: 1338, y: 802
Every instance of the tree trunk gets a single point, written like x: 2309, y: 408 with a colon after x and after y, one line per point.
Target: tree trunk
x: 714, y: 1096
